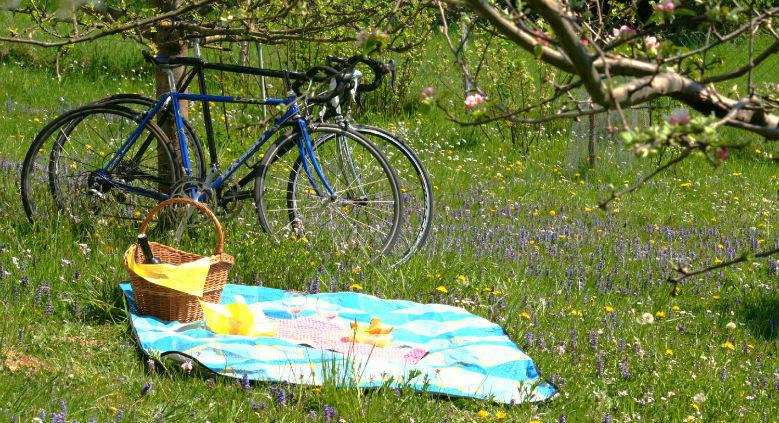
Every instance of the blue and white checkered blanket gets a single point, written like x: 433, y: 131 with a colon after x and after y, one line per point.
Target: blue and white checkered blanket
x: 469, y: 356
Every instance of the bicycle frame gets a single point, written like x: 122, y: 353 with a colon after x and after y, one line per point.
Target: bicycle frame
x: 292, y: 115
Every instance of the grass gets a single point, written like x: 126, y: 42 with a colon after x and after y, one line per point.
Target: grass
x: 515, y: 240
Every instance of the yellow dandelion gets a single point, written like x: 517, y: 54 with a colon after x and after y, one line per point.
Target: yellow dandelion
x: 716, y: 297
x: 686, y: 185
x: 357, y: 269
x: 669, y: 352
x: 483, y: 413
x: 461, y: 278
x: 136, y: 214
x: 500, y: 415
x: 695, y: 406
x: 576, y: 312
x: 588, y: 209
x: 660, y: 314
x: 356, y: 287
x: 717, y: 261
x: 729, y: 345
x: 675, y: 308
x: 525, y: 315
x: 442, y: 289
x: 552, y: 213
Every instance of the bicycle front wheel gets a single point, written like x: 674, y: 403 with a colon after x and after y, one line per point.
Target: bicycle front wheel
x: 84, y: 141
x: 359, y: 222
x: 415, y: 189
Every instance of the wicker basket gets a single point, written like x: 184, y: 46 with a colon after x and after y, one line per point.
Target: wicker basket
x: 168, y: 304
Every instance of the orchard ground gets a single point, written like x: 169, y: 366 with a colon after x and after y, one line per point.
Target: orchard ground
x: 517, y: 238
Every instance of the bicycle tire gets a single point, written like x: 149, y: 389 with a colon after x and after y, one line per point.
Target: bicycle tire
x: 66, y: 122
x: 82, y: 179
x: 286, y: 208
x: 416, y: 189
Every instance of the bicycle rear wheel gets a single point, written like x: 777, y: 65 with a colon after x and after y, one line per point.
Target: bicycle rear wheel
x: 360, y: 222
x: 84, y: 140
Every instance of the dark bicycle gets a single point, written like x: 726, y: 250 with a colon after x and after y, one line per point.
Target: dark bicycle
x: 350, y: 195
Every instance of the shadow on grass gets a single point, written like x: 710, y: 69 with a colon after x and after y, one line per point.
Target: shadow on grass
x: 760, y: 312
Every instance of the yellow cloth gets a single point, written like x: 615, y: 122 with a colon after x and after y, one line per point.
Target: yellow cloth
x: 238, y: 318
x: 375, y: 333
x: 188, y: 278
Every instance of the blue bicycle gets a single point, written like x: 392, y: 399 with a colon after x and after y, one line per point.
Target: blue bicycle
x: 327, y: 185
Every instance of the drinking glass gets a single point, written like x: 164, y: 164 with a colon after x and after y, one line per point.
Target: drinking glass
x: 295, y: 302
x: 326, y: 311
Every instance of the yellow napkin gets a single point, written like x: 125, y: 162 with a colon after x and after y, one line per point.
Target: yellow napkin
x: 188, y: 278
x: 375, y: 333
x: 238, y: 318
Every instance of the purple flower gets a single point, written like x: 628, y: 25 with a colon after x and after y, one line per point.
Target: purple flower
x: 245, y: 383
x: 329, y: 413
x: 279, y: 394
x: 146, y: 388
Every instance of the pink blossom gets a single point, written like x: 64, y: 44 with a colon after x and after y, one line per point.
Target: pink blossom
x: 623, y: 32
x: 665, y: 6
x: 651, y: 43
x: 680, y: 117
x: 777, y: 87
x: 473, y: 100
x: 540, y: 39
x: 722, y: 154
x: 428, y: 91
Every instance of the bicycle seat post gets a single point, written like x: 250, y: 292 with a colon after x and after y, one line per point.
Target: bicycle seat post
x: 196, y: 46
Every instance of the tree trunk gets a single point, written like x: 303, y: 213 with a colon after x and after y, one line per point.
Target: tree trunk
x: 169, y: 43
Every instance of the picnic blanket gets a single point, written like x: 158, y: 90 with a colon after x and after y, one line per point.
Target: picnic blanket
x: 467, y: 355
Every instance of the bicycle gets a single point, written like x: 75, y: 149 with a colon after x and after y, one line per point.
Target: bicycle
x: 124, y: 186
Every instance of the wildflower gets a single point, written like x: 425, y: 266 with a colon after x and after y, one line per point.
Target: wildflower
x: 552, y: 213
x: 442, y: 289
x: 329, y: 413
x: 576, y: 313
x: 355, y: 287
x: 675, y: 308
x: 686, y: 184
x: 669, y: 352
x: 679, y: 117
x: 722, y: 154
x: 146, y: 388
x: 695, y: 406
x: 483, y: 413
x: 608, y: 309
x: 461, y: 278
x: 716, y: 297
x: 728, y: 345
x: 245, y: 383
x: 473, y: 100
x: 646, y: 319
x: 699, y: 398
x: 525, y: 315
x: 660, y: 314
x: 187, y: 366
x: 730, y: 326
x: 500, y: 415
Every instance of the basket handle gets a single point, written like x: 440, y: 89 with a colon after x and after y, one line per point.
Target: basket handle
x: 182, y: 200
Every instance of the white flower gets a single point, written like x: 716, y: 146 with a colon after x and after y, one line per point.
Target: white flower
x: 699, y: 398
x: 730, y: 326
x: 187, y: 366
x: 646, y: 319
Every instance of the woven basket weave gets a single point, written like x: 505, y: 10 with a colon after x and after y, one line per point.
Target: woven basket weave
x: 168, y: 304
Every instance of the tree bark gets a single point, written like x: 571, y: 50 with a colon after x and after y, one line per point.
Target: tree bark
x: 169, y: 43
